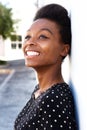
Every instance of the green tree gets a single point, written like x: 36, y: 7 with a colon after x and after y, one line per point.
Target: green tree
x: 6, y: 21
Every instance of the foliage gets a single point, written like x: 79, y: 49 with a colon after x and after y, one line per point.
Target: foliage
x: 2, y: 62
x: 6, y: 21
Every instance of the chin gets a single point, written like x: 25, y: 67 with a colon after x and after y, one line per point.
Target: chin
x: 28, y: 64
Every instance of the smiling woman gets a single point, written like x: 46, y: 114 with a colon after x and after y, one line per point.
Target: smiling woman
x: 47, y: 43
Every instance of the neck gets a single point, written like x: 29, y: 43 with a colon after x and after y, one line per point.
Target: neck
x: 48, y: 77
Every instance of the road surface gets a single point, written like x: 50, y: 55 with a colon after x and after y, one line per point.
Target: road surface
x: 16, y: 85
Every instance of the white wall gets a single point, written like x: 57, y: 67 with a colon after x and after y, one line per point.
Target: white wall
x: 1, y: 47
x: 7, y: 53
x: 12, y: 54
x: 79, y: 57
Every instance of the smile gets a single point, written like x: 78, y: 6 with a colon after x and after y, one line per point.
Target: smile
x: 32, y: 53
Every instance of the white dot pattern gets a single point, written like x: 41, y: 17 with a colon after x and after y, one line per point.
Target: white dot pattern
x: 52, y: 110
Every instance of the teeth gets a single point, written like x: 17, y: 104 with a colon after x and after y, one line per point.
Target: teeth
x: 32, y: 53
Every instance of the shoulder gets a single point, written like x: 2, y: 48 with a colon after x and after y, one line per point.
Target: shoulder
x: 60, y: 97
x: 58, y: 92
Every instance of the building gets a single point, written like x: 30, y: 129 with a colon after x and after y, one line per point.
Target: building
x: 11, y: 49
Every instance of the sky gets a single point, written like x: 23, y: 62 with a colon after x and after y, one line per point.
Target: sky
x: 24, y: 10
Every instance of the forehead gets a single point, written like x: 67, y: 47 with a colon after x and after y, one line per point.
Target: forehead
x: 44, y: 23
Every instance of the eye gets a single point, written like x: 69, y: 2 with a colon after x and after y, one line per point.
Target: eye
x: 27, y: 37
x: 43, y: 37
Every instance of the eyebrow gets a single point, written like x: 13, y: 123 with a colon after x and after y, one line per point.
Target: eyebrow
x: 44, y: 29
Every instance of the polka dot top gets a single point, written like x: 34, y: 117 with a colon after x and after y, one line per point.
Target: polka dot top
x: 53, y: 110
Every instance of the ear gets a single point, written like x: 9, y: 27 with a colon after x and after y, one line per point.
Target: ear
x: 65, y: 49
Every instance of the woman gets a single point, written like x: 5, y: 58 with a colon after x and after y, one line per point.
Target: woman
x: 46, y: 44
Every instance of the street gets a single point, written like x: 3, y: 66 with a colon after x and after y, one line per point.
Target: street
x: 16, y: 85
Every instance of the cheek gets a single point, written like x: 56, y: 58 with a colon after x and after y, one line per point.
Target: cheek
x: 51, y: 53
x: 54, y: 49
x: 23, y: 46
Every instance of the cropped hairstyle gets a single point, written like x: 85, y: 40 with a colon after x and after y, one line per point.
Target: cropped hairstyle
x: 59, y: 15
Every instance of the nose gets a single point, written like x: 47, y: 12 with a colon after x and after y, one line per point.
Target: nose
x: 27, y: 43
x: 30, y: 42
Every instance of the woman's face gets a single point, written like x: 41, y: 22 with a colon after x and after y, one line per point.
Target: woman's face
x: 42, y: 46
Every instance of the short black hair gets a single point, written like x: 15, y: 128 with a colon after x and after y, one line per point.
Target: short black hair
x: 59, y: 15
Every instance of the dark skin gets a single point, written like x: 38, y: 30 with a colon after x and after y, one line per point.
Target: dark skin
x: 43, y: 50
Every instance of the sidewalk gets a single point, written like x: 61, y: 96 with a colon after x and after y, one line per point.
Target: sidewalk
x: 16, y: 85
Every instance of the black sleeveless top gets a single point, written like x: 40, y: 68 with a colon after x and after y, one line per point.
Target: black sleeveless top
x: 52, y: 110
